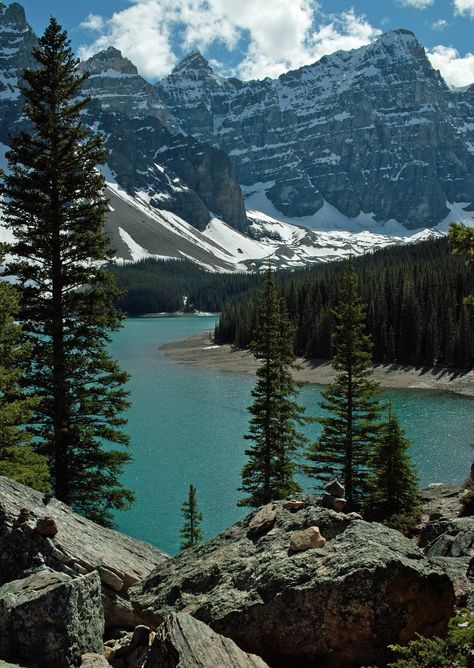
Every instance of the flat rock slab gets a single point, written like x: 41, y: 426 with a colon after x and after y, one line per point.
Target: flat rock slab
x: 334, y: 607
x: 51, y: 619
x: 79, y: 546
x: 78, y: 538
x: 184, y: 642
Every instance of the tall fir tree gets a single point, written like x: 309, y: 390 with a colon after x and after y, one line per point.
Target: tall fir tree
x: 393, y: 493
x: 269, y: 473
x: 17, y: 458
x: 55, y: 207
x: 191, y: 533
x: 351, y: 428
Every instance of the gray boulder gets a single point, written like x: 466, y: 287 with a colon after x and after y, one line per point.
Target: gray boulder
x: 338, y: 606
x: 79, y: 546
x: 185, y: 642
x: 51, y: 619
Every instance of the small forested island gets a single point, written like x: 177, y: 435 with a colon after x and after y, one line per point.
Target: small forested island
x: 337, y: 556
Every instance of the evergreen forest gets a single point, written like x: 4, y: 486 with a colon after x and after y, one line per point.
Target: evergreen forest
x: 415, y: 297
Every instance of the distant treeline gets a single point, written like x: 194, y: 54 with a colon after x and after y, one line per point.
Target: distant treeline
x: 156, y: 286
x: 415, y: 312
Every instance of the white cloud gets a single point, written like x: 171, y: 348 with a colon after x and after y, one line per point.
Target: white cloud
x: 457, y: 70
x: 93, y: 22
x: 274, y: 36
x: 464, y: 7
x: 417, y: 4
x: 440, y: 24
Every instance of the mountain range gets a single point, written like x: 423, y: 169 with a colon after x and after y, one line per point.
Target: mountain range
x: 359, y: 150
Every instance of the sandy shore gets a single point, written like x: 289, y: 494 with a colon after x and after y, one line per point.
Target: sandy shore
x: 199, y: 351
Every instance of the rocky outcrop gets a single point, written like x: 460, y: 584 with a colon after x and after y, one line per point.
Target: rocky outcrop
x: 148, y: 154
x: 114, y: 83
x: 374, y: 130
x: 338, y: 605
x: 76, y: 546
x: 185, y: 642
x: 51, y: 618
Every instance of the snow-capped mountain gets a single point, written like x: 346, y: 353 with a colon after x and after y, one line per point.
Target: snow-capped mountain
x: 356, y: 151
x: 374, y: 131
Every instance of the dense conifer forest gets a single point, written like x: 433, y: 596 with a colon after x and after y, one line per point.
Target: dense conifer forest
x: 414, y: 296
x: 158, y: 286
x: 415, y: 310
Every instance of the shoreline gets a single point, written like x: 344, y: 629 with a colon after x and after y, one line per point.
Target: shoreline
x: 199, y: 351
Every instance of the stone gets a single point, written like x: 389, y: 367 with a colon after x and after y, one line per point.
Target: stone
x: 354, y: 516
x: 334, y: 488
x: 185, y: 642
x: 263, y: 520
x: 294, y: 505
x: 339, y: 504
x: 51, y: 617
x: 46, y: 526
x: 307, y: 539
x: 94, y: 661
x: 110, y: 578
x: 340, y: 606
x: 333, y: 503
x: 74, y: 549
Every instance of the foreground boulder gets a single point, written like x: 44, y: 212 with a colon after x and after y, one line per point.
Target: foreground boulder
x: 36, y: 531
x: 339, y: 605
x: 51, y: 618
x: 185, y: 642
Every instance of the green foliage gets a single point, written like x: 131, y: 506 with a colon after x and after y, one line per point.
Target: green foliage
x: 351, y: 429
x: 393, y: 493
x: 269, y: 472
x: 456, y: 651
x: 415, y: 306
x: 156, y: 286
x: 17, y: 459
x: 191, y: 534
x: 55, y: 207
x: 461, y: 239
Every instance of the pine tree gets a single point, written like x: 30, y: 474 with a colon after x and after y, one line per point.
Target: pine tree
x: 461, y: 240
x: 55, y: 207
x: 350, y: 431
x: 191, y: 533
x: 393, y: 495
x: 269, y: 472
x: 17, y: 459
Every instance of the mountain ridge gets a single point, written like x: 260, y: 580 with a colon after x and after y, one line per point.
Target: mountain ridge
x: 187, y: 150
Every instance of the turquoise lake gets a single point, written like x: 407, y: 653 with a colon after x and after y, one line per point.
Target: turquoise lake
x: 187, y: 426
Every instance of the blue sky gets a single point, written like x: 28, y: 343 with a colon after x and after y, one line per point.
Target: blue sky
x: 256, y: 38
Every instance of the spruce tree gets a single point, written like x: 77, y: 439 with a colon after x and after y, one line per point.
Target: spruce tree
x: 17, y: 458
x: 55, y: 207
x: 350, y: 430
x: 393, y: 493
x: 191, y: 534
x: 268, y: 474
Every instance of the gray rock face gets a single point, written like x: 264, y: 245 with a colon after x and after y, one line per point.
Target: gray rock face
x: 114, y: 82
x: 16, y: 42
x: 149, y: 155
x: 338, y: 606
x: 51, y: 618
x: 373, y: 130
x: 73, y: 550
x: 185, y: 642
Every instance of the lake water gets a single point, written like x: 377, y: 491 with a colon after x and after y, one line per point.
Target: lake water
x: 187, y: 426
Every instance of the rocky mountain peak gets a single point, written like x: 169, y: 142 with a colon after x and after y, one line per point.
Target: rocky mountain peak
x: 110, y: 61
x: 13, y: 14
x: 193, y: 65
x: 17, y: 39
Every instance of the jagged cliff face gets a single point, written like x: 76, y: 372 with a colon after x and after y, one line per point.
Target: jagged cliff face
x: 17, y: 39
x: 374, y: 130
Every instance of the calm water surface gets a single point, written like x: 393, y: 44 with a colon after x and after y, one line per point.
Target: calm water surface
x: 187, y: 425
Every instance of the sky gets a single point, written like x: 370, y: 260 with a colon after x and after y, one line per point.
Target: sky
x: 252, y: 39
